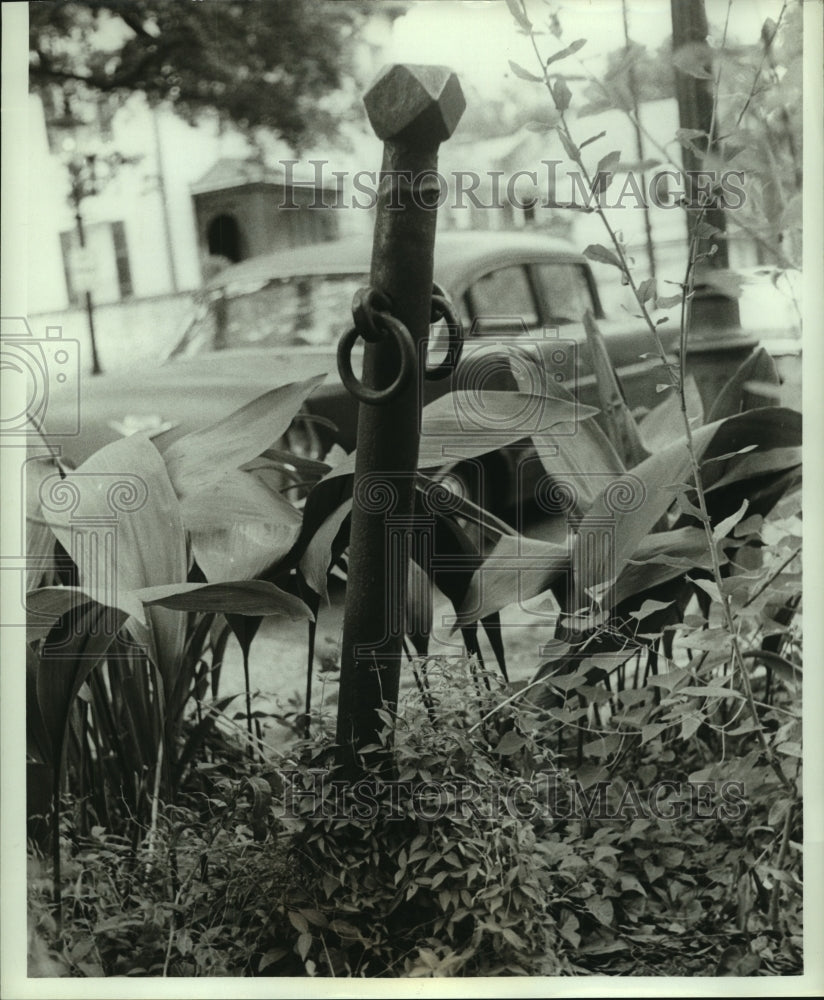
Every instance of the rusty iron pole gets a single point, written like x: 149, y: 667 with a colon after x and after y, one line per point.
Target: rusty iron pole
x: 412, y: 109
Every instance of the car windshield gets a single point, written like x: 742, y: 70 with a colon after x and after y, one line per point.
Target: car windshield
x: 298, y: 311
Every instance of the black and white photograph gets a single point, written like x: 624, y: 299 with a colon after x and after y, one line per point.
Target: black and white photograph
x: 404, y: 411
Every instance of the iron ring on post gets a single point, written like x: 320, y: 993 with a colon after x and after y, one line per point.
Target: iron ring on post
x: 366, y: 303
x: 385, y: 323
x: 442, y: 308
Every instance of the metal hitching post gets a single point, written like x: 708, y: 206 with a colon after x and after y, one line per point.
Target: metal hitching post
x: 412, y: 109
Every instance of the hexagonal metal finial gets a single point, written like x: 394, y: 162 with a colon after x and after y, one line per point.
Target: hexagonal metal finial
x: 415, y: 104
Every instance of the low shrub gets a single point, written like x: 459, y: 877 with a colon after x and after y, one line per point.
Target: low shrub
x: 481, y: 851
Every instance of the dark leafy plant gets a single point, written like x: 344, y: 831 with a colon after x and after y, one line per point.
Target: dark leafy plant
x: 127, y: 653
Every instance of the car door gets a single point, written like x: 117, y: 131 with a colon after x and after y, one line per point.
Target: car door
x: 503, y: 351
x: 566, y: 289
x: 505, y: 331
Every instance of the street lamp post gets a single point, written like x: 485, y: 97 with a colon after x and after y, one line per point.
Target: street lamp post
x: 87, y: 174
x: 76, y: 170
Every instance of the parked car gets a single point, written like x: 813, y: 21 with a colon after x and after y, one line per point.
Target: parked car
x: 277, y: 318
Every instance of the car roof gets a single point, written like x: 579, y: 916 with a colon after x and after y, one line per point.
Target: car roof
x: 458, y: 257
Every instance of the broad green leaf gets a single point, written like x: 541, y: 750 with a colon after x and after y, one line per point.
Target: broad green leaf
x: 592, y: 138
x: 238, y: 526
x: 303, y: 945
x: 622, y: 429
x: 771, y: 426
x: 277, y: 460
x: 315, y: 917
x: 711, y: 691
x: 239, y: 597
x: 712, y: 640
x: 650, y: 731
x: 126, y: 502
x: 514, y: 939
x: 579, y: 462
x: 600, y: 254
x: 67, y: 658
x: 569, y: 931
x: 235, y: 496
x: 710, y: 587
x: 315, y: 561
x: 629, y: 883
x: 419, y: 608
x: 667, y: 301
x: 605, y: 170
x: 517, y: 569
x: 758, y: 463
x: 749, y: 526
x: 685, y: 504
x: 561, y: 94
x: 660, y: 557
x: 664, y: 424
x: 570, y: 50
x: 299, y: 922
x: 690, y: 133
x: 510, y: 743
x: 242, y: 597
x: 524, y: 74
x: 649, y: 607
x: 517, y: 12
x: 758, y: 367
x: 691, y: 724
x: 197, y: 459
x: 570, y: 148
x: 46, y: 605
x: 647, y: 290
x: 749, y: 725
x: 601, y: 909
x: 477, y: 423
x: 723, y: 529
x: 492, y: 627
x: 39, y: 539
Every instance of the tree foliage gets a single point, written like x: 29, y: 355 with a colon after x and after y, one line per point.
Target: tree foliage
x: 257, y: 63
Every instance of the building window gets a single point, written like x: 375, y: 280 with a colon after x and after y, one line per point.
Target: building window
x: 223, y: 236
x: 102, y: 268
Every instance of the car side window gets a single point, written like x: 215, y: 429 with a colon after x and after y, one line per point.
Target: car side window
x: 565, y: 290
x: 506, y: 294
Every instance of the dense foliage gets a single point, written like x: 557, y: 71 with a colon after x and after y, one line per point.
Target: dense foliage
x: 483, y: 855
x: 253, y: 62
